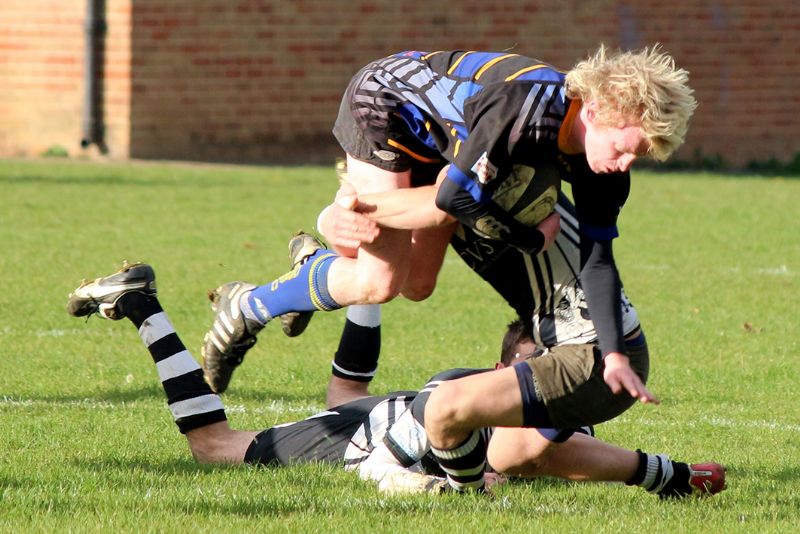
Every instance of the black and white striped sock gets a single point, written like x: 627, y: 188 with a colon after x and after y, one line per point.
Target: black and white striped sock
x: 465, y: 464
x: 190, y: 399
x: 660, y: 475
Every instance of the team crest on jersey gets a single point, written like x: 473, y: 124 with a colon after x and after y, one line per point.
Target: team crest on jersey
x: 386, y: 155
x: 484, y: 169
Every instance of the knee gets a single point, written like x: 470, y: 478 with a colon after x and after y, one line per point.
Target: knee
x: 519, y: 457
x: 378, y: 289
x: 379, y: 294
x: 418, y: 291
x: 444, y: 415
x: 515, y: 466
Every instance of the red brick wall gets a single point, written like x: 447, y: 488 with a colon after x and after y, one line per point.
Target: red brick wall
x: 260, y: 80
x: 41, y: 76
x: 40, y: 70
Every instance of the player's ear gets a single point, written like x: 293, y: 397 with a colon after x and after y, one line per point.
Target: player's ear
x: 590, y: 111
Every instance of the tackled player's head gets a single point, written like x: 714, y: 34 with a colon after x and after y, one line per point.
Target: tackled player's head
x: 517, y: 345
x: 642, y: 88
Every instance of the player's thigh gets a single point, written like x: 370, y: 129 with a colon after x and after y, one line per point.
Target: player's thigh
x: 569, y: 379
x: 428, y: 248
x: 387, y: 259
x: 487, y: 399
x: 368, y: 178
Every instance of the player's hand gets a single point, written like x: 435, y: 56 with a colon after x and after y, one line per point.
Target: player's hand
x: 549, y: 228
x: 346, y: 189
x: 344, y: 228
x: 619, y: 376
x: 347, y: 198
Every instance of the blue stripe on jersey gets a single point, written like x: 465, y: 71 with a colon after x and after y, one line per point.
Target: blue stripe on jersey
x: 448, y: 99
x: 544, y: 74
x: 461, y: 131
x: 598, y: 233
x: 415, y: 120
x: 464, y: 91
x: 465, y: 182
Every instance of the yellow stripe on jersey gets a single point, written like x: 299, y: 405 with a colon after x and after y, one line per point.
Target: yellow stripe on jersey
x: 426, y: 56
x: 491, y: 63
x: 523, y: 71
x: 408, y: 151
x: 455, y: 65
x: 458, y: 145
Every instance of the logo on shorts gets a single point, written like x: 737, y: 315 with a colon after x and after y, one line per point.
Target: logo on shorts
x: 386, y: 155
x: 490, y: 227
x: 484, y: 169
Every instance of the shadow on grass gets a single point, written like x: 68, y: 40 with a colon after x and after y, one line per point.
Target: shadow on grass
x: 787, y: 474
x: 155, y: 392
x: 172, y: 178
x: 89, y: 180
x: 125, y: 466
x: 178, y: 180
x: 290, y: 491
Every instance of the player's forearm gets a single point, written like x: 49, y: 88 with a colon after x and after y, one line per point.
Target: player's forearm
x: 602, y: 287
x: 488, y: 219
x: 404, y: 209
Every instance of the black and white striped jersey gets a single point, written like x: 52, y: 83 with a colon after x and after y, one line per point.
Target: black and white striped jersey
x: 346, y: 433
x: 545, y: 287
x: 374, y: 427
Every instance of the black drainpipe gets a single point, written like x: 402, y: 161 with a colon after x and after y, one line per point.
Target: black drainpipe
x: 92, y: 127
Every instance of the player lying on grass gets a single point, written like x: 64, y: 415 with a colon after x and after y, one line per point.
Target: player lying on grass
x: 483, y: 115
x: 349, y: 434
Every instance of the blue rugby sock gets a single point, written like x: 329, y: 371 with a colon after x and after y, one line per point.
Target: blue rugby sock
x: 305, y: 288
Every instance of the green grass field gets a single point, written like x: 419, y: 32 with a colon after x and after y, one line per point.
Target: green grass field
x: 87, y: 443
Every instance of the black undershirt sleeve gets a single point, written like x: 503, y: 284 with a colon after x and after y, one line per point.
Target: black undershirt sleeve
x: 602, y: 286
x: 487, y: 218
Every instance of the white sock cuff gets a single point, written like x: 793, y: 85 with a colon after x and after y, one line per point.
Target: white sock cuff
x: 659, y: 472
x: 365, y: 314
x: 196, y: 406
x: 460, y: 451
x: 343, y: 371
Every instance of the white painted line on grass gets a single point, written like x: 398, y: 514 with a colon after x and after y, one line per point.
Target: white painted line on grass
x: 720, y: 422
x: 278, y: 407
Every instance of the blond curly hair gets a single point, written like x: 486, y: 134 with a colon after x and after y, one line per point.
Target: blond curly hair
x: 642, y: 87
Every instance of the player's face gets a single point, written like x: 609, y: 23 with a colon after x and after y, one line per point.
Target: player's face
x: 613, y: 148
x: 610, y: 147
